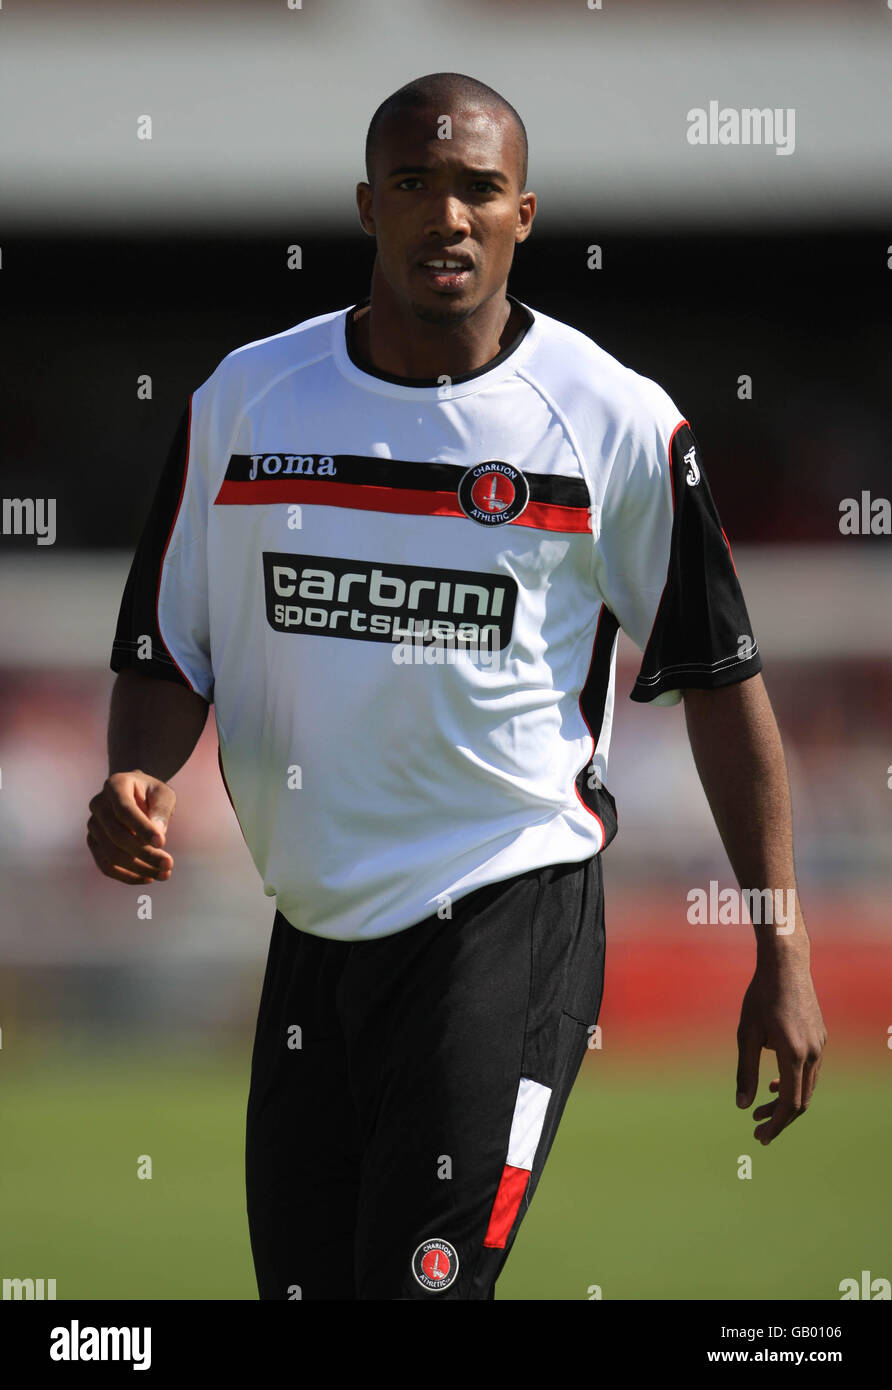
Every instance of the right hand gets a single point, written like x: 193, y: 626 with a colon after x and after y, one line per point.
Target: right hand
x: 128, y: 827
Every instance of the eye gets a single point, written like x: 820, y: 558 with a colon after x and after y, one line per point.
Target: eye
x: 412, y: 178
x: 484, y: 185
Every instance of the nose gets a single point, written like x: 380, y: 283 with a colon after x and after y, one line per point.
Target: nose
x: 448, y: 217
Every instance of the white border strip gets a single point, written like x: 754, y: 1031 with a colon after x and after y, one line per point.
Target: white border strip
x: 526, y: 1124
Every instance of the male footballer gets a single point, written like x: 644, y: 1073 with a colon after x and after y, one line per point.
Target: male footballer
x: 394, y: 547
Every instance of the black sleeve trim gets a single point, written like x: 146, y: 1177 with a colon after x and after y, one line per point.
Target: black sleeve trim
x: 702, y: 635
x: 138, y: 615
x: 592, y: 702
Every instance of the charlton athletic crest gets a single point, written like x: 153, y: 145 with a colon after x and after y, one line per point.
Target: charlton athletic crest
x: 493, y: 493
x: 435, y: 1265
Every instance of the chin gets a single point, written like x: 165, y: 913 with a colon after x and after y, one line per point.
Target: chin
x: 449, y: 311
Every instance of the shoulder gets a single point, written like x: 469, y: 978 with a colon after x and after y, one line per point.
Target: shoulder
x: 246, y: 373
x: 595, y: 389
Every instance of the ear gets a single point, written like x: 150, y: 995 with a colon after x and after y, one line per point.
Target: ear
x: 526, y: 211
x: 364, y: 205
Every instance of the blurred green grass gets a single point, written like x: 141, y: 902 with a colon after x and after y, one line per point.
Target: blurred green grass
x: 640, y: 1194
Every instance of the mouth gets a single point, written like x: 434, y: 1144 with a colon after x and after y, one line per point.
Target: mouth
x: 446, y: 272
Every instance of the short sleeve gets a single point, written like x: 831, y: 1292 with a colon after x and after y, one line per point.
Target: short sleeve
x: 163, y: 623
x: 668, y: 572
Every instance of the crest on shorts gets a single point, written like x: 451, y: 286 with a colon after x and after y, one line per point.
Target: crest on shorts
x: 435, y: 1265
x: 493, y: 493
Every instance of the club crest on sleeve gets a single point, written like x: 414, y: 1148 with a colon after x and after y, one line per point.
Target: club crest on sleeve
x: 493, y: 493
x: 435, y: 1265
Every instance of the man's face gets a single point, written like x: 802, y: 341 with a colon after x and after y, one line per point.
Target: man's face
x: 446, y: 200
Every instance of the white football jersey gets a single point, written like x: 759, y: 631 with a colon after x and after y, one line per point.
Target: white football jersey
x: 403, y: 597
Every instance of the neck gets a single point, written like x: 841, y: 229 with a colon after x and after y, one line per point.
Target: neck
x: 389, y: 337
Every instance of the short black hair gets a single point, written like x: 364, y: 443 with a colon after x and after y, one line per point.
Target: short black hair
x: 440, y: 90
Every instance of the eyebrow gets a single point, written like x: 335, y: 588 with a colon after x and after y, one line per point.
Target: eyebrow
x: 429, y: 169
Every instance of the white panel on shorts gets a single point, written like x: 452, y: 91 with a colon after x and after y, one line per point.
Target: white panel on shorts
x: 526, y: 1124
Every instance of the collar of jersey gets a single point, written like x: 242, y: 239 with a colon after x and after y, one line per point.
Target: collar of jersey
x: 424, y: 389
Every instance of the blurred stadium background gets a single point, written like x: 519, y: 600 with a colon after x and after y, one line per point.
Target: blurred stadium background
x: 123, y: 258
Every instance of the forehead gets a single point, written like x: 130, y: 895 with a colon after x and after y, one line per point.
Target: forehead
x: 481, y: 137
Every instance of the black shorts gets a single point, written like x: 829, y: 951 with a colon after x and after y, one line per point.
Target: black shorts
x: 405, y: 1092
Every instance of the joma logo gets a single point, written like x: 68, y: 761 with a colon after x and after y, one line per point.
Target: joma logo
x: 292, y: 465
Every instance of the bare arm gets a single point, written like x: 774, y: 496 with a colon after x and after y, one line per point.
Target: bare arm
x: 153, y: 724
x: 738, y: 753
x: 737, y: 750
x: 153, y: 728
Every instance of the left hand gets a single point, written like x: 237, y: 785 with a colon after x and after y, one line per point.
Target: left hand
x: 780, y: 1011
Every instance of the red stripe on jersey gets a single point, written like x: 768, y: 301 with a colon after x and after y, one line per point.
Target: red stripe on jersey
x: 728, y: 544
x: 594, y: 815
x: 671, y: 441
x: 369, y: 497
x: 669, y: 565
x: 512, y: 1186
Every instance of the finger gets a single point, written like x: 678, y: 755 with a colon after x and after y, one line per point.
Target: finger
x: 110, y: 858
x: 108, y: 865
x: 810, y: 1078
x: 118, y: 794
x: 104, y: 823
x: 769, y: 1107
x: 160, y: 800
x: 783, y: 1122
x: 132, y: 856
x: 110, y: 854
x: 749, y: 1051
x: 772, y: 1086
x: 789, y: 1102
